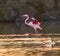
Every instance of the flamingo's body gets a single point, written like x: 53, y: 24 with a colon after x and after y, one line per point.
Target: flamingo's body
x: 33, y: 23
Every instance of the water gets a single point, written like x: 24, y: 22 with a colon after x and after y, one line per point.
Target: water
x: 28, y: 52
x: 21, y: 28
x: 51, y: 27
x: 14, y: 49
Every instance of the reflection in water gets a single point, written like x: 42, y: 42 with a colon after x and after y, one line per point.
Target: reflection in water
x: 48, y: 53
x: 27, y: 52
x: 52, y: 53
x: 9, y: 28
x: 48, y: 27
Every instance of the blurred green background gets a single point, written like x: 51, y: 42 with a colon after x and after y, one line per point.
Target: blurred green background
x: 46, y: 11
x: 33, y: 7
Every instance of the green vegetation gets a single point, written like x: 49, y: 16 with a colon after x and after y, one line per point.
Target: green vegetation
x: 8, y: 8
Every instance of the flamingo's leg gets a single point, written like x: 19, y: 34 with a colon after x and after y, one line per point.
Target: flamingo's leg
x: 36, y: 31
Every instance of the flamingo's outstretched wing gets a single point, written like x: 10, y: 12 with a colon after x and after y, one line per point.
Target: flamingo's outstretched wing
x: 35, y: 21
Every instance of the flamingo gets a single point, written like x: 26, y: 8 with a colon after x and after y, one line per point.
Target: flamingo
x: 32, y: 23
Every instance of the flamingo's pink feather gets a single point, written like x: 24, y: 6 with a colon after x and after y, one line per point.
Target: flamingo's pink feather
x: 36, y: 23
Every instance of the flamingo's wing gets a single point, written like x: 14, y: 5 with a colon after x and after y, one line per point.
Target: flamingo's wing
x: 36, y: 22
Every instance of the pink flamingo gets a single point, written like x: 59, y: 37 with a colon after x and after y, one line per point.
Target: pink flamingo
x: 33, y: 23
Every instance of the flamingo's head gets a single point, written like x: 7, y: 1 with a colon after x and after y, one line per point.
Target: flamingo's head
x: 25, y: 15
x: 33, y: 18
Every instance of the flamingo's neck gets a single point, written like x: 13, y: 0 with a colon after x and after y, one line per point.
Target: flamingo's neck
x: 27, y: 20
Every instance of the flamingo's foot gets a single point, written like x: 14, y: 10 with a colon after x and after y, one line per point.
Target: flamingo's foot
x: 28, y: 33
x: 36, y: 34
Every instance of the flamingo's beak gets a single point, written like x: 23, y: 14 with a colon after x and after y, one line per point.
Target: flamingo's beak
x: 25, y: 15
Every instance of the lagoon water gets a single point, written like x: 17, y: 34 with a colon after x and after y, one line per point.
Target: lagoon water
x: 21, y: 28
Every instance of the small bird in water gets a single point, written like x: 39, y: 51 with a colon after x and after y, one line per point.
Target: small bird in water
x: 34, y: 23
x: 49, y: 43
